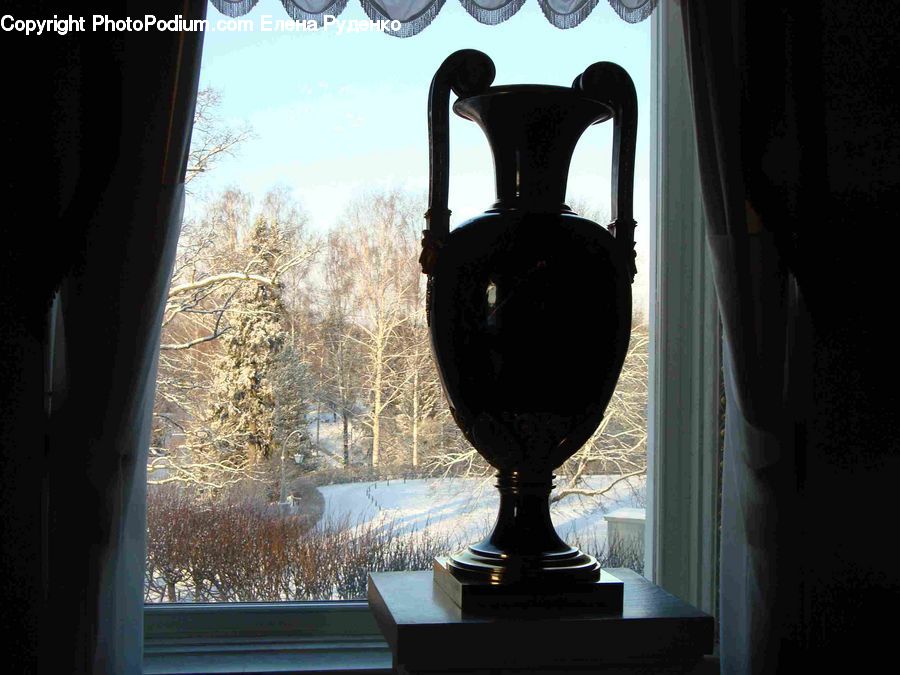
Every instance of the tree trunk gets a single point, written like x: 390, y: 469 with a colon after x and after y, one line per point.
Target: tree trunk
x: 376, y: 410
x: 346, y: 419
x: 415, y: 417
x: 376, y: 430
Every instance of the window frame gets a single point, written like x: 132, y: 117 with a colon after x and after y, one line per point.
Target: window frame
x: 298, y: 637
x: 682, y: 533
x: 681, y: 536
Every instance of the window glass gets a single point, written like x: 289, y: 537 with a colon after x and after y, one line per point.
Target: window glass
x: 301, y: 438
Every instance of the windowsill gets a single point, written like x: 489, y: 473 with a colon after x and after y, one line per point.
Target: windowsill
x: 317, y: 637
x: 266, y: 656
x: 263, y: 638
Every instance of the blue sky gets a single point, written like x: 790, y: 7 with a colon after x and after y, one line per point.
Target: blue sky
x: 338, y: 115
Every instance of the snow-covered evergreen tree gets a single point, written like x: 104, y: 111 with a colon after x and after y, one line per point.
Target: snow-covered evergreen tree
x: 243, y: 411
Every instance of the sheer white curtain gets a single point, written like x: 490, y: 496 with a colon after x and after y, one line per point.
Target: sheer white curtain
x: 415, y: 15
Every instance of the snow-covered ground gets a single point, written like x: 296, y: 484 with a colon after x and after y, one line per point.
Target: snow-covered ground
x: 463, y: 509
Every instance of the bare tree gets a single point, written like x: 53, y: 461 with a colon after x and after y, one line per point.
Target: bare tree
x: 211, y: 139
x: 419, y: 397
x: 382, y: 253
x: 420, y: 401
x: 339, y: 362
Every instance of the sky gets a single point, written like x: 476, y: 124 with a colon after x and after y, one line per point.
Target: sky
x: 336, y: 116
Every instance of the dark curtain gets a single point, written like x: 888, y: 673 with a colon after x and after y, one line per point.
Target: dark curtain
x: 797, y: 123
x: 93, y: 196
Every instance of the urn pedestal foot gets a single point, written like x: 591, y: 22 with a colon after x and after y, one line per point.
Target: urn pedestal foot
x: 523, y: 565
x: 472, y: 596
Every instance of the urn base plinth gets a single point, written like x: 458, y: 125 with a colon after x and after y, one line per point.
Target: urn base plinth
x: 474, y: 595
x: 485, y: 563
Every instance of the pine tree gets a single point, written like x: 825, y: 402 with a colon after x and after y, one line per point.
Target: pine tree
x: 243, y: 413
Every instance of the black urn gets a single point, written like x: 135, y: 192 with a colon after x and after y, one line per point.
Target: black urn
x: 529, y: 304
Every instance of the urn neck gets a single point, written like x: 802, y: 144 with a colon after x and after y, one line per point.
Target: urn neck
x: 532, y: 131
x: 523, y: 522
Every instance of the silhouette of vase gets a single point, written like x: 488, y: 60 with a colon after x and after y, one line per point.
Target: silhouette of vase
x: 529, y: 304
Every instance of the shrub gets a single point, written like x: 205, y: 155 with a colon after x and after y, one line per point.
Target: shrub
x: 236, y: 549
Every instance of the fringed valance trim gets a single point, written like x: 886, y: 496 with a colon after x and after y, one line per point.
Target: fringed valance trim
x: 416, y: 24
x: 297, y: 13
x: 571, y: 19
x: 234, y: 8
x: 411, y: 26
x: 633, y: 14
x: 492, y: 17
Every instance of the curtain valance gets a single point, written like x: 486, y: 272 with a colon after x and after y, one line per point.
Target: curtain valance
x: 415, y: 15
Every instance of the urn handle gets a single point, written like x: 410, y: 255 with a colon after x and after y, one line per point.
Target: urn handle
x: 611, y: 85
x: 466, y: 72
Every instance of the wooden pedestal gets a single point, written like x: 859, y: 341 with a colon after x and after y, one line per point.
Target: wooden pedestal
x: 427, y: 633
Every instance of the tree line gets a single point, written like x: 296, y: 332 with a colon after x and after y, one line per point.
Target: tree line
x: 274, y: 336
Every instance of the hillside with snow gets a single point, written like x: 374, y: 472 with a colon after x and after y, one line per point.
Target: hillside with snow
x: 464, y: 509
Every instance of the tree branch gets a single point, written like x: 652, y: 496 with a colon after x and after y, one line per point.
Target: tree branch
x: 586, y: 492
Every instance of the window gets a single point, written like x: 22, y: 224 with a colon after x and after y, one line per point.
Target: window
x: 343, y: 635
